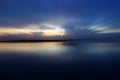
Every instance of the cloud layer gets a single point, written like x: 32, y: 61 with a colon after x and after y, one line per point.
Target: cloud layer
x: 75, y: 18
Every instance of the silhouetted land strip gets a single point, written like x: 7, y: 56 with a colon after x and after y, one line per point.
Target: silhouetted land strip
x: 66, y: 40
x: 39, y: 40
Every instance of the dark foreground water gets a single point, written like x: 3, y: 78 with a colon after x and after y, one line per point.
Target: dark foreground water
x: 60, y: 61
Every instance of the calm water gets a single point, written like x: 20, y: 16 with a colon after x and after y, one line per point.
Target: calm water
x: 58, y: 60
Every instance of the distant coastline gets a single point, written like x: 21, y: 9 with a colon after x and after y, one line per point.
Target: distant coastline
x: 66, y: 40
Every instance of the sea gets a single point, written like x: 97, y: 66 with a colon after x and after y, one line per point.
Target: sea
x: 76, y: 60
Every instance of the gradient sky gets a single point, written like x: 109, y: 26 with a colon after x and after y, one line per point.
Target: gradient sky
x: 54, y: 19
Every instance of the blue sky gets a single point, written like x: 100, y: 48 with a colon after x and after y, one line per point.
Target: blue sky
x: 50, y: 19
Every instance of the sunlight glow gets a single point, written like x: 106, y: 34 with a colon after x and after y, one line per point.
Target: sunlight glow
x: 50, y: 31
x: 15, y: 31
x: 54, y: 30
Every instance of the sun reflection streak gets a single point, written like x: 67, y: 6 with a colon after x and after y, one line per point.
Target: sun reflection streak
x: 45, y: 48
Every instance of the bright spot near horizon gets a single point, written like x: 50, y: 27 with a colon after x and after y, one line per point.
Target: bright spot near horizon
x: 46, y: 30
x: 55, y: 30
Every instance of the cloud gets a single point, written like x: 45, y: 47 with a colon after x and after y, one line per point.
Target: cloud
x: 33, y: 31
x: 24, y: 12
x: 71, y: 17
x: 98, y: 28
x: 110, y: 31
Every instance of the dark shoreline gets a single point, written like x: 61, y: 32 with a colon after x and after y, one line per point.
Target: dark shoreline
x: 66, y: 40
x: 38, y: 40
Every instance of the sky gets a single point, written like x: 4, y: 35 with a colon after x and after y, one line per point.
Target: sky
x: 59, y: 19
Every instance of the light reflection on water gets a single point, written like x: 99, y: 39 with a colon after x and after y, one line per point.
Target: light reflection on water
x: 59, y: 58
x: 55, y: 48
x: 42, y: 47
x: 103, y: 47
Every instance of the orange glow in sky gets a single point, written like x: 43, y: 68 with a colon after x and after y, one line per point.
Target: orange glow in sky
x: 52, y: 31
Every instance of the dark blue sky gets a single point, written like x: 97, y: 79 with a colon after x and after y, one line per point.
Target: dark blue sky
x: 37, y: 19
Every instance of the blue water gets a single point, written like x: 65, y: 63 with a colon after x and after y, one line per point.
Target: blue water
x: 60, y: 60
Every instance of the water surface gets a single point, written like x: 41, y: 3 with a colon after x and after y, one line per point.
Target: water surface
x: 54, y: 59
